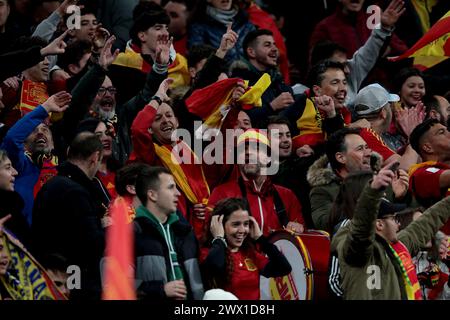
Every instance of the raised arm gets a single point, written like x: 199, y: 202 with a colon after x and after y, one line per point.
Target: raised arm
x: 358, y: 244
x: 143, y: 149
x: 419, y: 232
x: 364, y: 58
x: 131, y: 108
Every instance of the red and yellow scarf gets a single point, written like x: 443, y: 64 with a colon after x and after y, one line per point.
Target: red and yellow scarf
x: 409, y: 274
x: 132, y: 58
x: 47, y: 165
x: 189, y: 177
x: 32, y: 95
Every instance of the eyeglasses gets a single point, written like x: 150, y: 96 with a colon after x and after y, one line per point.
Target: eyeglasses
x: 393, y: 216
x: 102, y: 91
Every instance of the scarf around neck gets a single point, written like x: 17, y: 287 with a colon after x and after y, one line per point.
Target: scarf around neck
x: 223, y: 16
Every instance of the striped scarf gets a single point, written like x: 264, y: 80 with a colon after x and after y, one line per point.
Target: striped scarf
x: 409, y: 276
x: 189, y: 177
x: 47, y: 163
x: 26, y: 279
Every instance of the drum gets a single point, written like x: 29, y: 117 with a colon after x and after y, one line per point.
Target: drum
x: 308, y: 255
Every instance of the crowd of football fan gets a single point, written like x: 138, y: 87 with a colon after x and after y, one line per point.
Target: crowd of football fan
x: 93, y: 94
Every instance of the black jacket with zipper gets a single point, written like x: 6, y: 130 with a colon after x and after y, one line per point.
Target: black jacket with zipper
x: 152, y: 259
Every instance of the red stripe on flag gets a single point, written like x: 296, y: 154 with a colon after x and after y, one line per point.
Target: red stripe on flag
x: 440, y: 28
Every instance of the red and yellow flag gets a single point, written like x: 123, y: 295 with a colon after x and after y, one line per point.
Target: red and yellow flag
x: 32, y: 95
x: 212, y: 103
x: 178, y: 69
x: 433, y: 47
x: 119, y: 282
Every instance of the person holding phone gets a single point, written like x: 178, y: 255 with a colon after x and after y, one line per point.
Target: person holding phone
x: 233, y: 261
x: 374, y: 257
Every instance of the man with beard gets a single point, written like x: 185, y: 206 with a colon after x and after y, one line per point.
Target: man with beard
x: 29, y: 144
x: 272, y: 206
x: 96, y: 90
x: 261, y: 56
x: 329, y: 84
x: 293, y: 166
x: 437, y: 107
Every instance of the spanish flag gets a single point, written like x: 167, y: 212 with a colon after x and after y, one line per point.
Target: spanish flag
x: 212, y: 103
x: 32, y: 95
x: 432, y: 48
x: 178, y: 68
x: 119, y: 280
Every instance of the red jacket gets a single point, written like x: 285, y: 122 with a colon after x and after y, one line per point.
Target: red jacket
x: 344, y: 31
x: 261, y: 203
x: 144, y: 151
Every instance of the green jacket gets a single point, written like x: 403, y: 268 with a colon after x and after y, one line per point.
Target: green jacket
x: 325, y: 186
x: 166, y: 232
x: 358, y: 248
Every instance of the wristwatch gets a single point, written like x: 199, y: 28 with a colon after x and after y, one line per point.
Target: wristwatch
x: 157, y: 99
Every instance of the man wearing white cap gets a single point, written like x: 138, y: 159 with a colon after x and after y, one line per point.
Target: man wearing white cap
x: 373, y: 103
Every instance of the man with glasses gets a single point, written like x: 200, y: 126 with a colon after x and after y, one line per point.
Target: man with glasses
x: 96, y: 90
x: 374, y: 257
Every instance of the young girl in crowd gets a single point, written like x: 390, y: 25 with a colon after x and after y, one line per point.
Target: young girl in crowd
x: 410, y: 110
x: 232, y: 261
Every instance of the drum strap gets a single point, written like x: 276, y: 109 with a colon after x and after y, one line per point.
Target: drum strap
x: 279, y: 205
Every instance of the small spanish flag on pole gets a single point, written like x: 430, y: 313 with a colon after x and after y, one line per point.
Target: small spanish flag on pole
x: 432, y: 48
x: 119, y: 279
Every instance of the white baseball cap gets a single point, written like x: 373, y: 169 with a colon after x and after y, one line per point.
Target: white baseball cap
x: 372, y: 98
